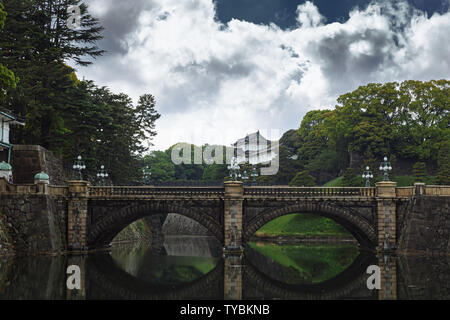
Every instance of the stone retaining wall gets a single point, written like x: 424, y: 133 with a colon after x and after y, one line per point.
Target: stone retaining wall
x: 33, y: 224
x: 27, y: 160
x: 176, y: 224
x: 426, y: 226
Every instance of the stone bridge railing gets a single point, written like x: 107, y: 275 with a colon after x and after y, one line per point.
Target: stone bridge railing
x: 156, y: 192
x: 218, y: 191
x: 8, y: 188
x: 296, y: 192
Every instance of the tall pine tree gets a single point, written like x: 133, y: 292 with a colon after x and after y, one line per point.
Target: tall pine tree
x: 7, y: 78
x: 36, y: 44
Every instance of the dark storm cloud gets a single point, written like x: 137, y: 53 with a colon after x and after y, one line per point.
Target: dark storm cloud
x: 339, y: 62
x: 119, y: 18
x: 208, y: 75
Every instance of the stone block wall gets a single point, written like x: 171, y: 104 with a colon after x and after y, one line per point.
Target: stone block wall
x: 426, y: 226
x: 27, y: 160
x: 6, y: 246
x: 33, y: 224
x: 423, y: 277
x: 176, y: 224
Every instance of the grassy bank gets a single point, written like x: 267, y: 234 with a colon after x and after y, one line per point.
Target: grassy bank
x: 308, y: 225
x: 402, y: 181
x: 313, y: 263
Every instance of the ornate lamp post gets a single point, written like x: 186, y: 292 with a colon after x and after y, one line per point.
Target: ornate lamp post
x: 234, y: 169
x: 147, y: 175
x: 245, y: 176
x: 367, y: 175
x: 254, y: 175
x: 102, y: 174
x: 385, y: 166
x: 79, y: 165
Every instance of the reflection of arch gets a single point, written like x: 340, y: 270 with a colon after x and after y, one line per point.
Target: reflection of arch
x: 344, y: 285
x: 106, y: 278
x: 104, y: 230
x: 356, y: 225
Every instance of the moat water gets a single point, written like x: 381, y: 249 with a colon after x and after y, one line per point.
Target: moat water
x: 195, y: 268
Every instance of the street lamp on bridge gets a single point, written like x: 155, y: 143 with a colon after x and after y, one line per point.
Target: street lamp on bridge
x: 147, y: 174
x: 385, y: 166
x: 367, y: 175
x: 79, y: 165
x: 245, y: 176
x: 102, y: 174
x: 234, y: 169
x: 254, y: 175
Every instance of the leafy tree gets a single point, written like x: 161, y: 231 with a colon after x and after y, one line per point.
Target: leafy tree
x: 362, y: 120
x: 289, y: 166
x: 303, y: 178
x: 443, y: 176
x: 161, y: 166
x: 7, y: 78
x: 420, y: 171
x: 35, y: 45
x: 350, y: 178
x: 215, y: 172
x: 422, y: 119
x: 313, y: 138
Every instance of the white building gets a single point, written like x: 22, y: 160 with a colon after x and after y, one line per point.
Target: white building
x: 254, y: 149
x: 6, y: 120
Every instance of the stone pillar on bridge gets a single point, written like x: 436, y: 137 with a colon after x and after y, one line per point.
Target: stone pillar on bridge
x: 232, y: 220
x: 77, y: 216
x: 386, y: 195
x: 232, y: 277
x: 388, y: 277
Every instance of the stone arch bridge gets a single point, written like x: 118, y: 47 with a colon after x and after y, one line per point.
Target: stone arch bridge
x: 375, y: 216
x: 233, y: 212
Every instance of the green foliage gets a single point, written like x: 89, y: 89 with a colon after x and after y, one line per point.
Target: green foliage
x: 312, y: 136
x: 443, y: 176
x: 215, y: 172
x: 303, y: 178
x: 35, y: 45
x: 7, y: 78
x: 408, y: 121
x: 337, y: 182
x: 288, y: 166
x: 350, y: 179
x: 62, y: 113
x: 145, y: 116
x: 303, y: 225
x: 161, y: 166
x: 309, y: 263
x: 420, y: 171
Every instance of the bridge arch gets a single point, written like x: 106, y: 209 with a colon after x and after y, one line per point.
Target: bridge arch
x: 359, y: 227
x: 103, y: 231
x: 352, y: 279
x: 106, y: 277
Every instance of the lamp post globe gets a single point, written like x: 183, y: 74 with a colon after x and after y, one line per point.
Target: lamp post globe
x: 234, y: 169
x: 79, y: 166
x: 147, y: 174
x: 367, y: 175
x: 385, y: 167
x: 102, y: 174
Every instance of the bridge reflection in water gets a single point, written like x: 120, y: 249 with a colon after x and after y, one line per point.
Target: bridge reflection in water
x: 193, y: 268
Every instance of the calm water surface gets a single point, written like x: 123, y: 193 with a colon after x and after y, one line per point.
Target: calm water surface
x: 194, y: 268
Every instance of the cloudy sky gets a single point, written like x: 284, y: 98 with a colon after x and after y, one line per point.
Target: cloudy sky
x: 222, y: 69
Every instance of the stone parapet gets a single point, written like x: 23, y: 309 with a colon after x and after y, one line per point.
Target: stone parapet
x: 386, y: 189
